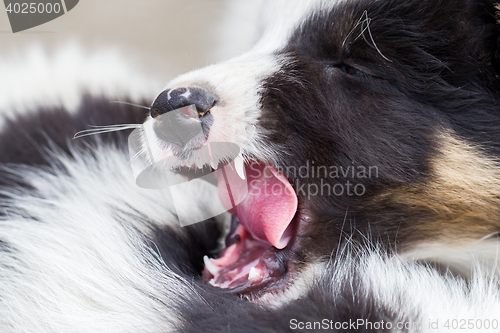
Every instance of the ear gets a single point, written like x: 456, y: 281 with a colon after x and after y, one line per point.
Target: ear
x: 487, y: 14
x: 496, y: 57
x: 491, y: 18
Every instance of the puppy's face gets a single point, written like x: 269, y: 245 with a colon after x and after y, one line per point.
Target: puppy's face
x: 356, y: 120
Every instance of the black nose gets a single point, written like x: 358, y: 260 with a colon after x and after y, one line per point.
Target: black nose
x: 173, y: 99
x: 183, y: 118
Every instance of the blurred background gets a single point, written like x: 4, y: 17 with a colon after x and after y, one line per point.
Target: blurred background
x: 155, y: 39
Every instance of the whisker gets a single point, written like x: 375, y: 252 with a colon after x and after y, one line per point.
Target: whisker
x: 363, y: 27
x: 365, y: 13
x: 127, y: 103
x: 105, y: 129
x: 373, y: 42
x: 136, y: 155
x: 365, y: 21
x: 113, y: 126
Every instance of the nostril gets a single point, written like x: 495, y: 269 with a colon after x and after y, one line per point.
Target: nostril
x: 213, y: 104
x: 183, y: 117
x: 174, y: 99
x: 155, y: 112
x: 204, y: 112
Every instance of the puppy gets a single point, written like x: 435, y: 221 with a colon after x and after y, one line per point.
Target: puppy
x: 367, y: 140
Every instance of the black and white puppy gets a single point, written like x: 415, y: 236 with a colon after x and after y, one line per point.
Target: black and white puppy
x: 369, y: 137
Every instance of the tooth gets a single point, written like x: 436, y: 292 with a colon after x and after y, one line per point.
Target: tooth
x: 209, y: 151
x: 199, y: 164
x: 214, y: 162
x: 212, y: 268
x: 239, y: 166
x: 212, y: 282
x: 254, y: 275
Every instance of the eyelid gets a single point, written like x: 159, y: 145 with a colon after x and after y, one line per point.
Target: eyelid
x: 351, y: 70
x: 362, y: 69
x: 348, y: 69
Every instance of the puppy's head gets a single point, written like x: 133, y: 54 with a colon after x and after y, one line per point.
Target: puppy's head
x: 358, y: 121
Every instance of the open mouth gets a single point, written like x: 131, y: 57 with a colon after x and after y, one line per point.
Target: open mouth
x: 263, y: 225
x: 264, y: 205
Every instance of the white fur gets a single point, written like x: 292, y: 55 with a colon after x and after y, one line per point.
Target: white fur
x: 412, y: 290
x: 81, y: 266
x: 79, y: 263
x: 237, y: 82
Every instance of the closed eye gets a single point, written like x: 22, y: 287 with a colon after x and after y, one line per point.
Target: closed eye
x: 349, y: 70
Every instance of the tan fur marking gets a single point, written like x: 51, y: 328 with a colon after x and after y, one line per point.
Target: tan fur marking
x: 462, y: 197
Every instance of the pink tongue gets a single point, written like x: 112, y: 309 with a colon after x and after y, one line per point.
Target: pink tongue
x: 269, y: 207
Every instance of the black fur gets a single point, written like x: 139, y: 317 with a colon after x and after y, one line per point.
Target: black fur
x: 344, y: 99
x: 25, y: 138
x: 339, y: 303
